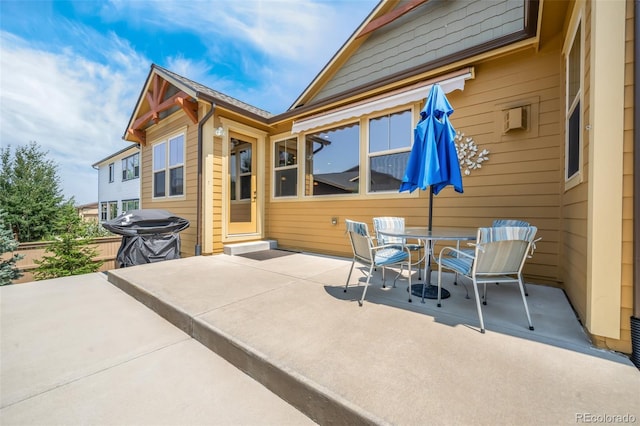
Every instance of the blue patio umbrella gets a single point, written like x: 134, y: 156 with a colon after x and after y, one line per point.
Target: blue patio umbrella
x: 433, y: 161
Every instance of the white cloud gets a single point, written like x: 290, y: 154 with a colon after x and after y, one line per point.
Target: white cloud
x: 73, y: 91
x: 195, y: 70
x: 278, y: 46
x: 285, y: 29
x: 73, y: 107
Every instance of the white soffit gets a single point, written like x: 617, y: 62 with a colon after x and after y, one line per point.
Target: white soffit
x: 405, y: 97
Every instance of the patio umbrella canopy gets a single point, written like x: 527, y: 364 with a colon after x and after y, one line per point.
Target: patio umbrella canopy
x: 149, y: 235
x: 433, y: 161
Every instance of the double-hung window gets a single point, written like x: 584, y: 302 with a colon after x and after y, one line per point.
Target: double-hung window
x: 332, y: 161
x: 168, y: 167
x: 390, y: 138
x: 573, y: 162
x: 285, y: 168
x: 131, y: 167
x: 108, y: 210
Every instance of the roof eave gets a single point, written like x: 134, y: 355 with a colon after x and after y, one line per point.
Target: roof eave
x: 122, y: 151
x: 134, y: 113
x: 233, y: 108
x: 382, y: 7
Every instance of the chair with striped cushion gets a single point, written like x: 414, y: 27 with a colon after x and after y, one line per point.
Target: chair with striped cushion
x: 499, y: 256
x: 507, y: 222
x: 367, y: 253
x: 517, y: 222
x: 386, y: 223
x: 501, y: 222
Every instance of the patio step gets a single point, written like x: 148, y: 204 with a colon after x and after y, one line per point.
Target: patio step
x: 319, y: 404
x: 288, y: 324
x: 249, y: 247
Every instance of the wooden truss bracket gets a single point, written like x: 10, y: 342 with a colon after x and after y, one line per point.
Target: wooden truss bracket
x: 154, y: 97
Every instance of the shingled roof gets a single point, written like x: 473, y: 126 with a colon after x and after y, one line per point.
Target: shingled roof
x: 201, y: 91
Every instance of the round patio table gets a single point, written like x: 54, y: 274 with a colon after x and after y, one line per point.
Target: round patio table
x: 426, y: 289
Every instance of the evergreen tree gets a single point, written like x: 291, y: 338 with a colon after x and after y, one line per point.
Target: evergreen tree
x: 8, y: 271
x: 30, y: 191
x: 71, y: 249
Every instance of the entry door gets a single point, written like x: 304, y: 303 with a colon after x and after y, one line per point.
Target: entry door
x: 242, y: 184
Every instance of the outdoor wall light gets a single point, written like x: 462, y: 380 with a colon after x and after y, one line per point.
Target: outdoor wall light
x: 219, y: 132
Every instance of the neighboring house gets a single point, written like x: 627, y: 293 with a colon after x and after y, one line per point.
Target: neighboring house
x: 88, y: 212
x: 545, y: 86
x: 118, y: 182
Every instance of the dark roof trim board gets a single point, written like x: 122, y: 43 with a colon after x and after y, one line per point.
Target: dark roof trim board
x: 134, y: 113
x: 389, y: 17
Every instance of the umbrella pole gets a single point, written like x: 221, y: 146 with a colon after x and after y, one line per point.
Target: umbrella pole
x: 427, y: 280
x: 430, y: 207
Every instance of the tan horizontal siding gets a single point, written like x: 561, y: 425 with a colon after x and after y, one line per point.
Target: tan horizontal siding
x: 184, y: 207
x: 217, y: 196
x: 520, y: 180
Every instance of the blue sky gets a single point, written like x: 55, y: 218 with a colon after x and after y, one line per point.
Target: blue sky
x: 71, y: 71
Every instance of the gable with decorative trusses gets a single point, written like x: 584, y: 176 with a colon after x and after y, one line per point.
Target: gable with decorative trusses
x: 158, y: 100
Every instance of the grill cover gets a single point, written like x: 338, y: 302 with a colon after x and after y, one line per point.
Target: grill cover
x: 148, y: 235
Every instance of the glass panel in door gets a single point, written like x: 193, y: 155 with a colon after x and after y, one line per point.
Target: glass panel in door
x: 242, y: 184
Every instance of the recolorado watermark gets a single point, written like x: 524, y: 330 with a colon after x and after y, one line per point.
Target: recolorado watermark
x: 605, y: 418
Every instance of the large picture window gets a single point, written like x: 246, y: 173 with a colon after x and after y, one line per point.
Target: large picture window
x: 285, y: 159
x: 131, y: 167
x: 574, y: 109
x: 332, y: 163
x: 168, y: 167
x: 389, y: 149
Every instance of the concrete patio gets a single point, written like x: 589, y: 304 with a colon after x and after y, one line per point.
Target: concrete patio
x: 80, y: 351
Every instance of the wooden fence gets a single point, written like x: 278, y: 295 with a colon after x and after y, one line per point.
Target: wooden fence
x: 107, y: 248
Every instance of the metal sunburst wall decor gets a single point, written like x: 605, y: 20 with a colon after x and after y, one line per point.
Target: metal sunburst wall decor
x: 468, y: 155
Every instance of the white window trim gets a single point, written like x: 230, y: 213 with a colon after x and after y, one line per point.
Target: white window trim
x: 128, y: 201
x: 124, y: 160
x: 167, y: 168
x: 368, y: 155
x: 105, y: 208
x: 576, y: 178
x: 296, y: 166
x: 363, y: 192
x: 361, y: 134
